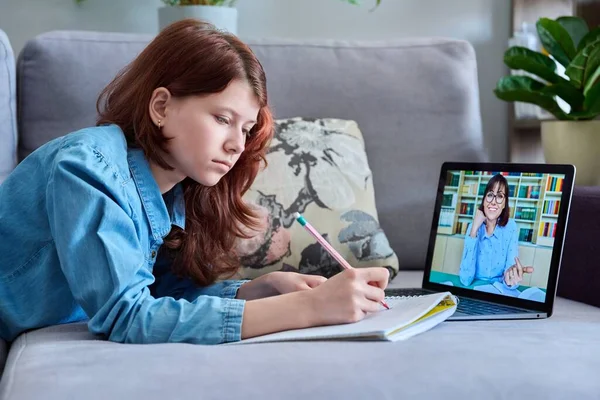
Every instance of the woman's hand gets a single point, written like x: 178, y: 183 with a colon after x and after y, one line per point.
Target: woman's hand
x: 477, y: 222
x: 349, y: 296
x: 514, y: 274
x: 278, y: 282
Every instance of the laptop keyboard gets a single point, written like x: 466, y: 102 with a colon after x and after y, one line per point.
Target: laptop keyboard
x: 474, y: 307
x: 465, y: 306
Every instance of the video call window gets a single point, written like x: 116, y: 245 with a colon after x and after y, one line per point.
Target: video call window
x: 496, y: 232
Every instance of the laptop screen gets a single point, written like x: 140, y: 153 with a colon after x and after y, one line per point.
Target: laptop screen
x: 496, y: 232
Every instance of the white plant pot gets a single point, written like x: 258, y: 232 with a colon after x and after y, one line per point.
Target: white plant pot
x: 577, y: 143
x: 224, y: 18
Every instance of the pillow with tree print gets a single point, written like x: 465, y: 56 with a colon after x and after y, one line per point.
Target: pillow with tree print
x: 319, y: 168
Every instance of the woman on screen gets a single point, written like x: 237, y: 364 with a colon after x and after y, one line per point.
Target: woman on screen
x: 491, y: 244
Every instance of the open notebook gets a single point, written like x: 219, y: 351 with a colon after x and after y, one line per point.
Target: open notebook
x: 407, y: 316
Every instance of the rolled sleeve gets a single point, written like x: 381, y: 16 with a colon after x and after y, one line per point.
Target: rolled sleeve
x: 232, y: 320
x: 230, y: 288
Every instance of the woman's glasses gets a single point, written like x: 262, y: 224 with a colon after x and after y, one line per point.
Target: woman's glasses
x: 499, y: 197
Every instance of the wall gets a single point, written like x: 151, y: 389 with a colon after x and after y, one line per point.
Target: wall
x: 484, y: 23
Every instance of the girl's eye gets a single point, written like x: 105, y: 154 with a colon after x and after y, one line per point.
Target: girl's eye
x: 221, y: 120
x: 246, y: 132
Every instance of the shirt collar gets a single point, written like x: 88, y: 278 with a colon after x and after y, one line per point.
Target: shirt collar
x: 484, y: 231
x: 178, y: 208
x: 159, y: 217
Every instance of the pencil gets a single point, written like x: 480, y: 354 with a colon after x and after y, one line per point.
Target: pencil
x: 326, y: 245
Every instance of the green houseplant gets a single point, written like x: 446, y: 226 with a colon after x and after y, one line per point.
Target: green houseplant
x: 574, y: 137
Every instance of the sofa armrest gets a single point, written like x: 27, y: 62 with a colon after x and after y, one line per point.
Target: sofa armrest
x: 579, y: 277
x: 8, y: 113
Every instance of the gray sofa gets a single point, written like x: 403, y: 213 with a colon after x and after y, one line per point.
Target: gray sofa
x: 417, y: 105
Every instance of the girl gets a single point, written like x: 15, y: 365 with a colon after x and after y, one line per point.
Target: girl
x: 491, y: 245
x: 181, y: 134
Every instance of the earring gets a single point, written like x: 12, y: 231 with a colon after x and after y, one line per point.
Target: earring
x: 159, y: 121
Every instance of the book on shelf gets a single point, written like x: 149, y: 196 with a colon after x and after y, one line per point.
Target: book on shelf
x: 446, y: 217
x: 452, y: 179
x: 525, y: 235
x: 525, y: 213
x: 554, y: 184
x: 551, y: 207
x: 547, y: 229
x: 467, y: 208
x: 461, y: 228
x: 529, y: 192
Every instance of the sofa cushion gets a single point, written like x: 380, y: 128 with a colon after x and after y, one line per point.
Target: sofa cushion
x: 415, y: 100
x: 579, y: 277
x: 556, y: 358
x: 8, y: 109
x: 320, y: 169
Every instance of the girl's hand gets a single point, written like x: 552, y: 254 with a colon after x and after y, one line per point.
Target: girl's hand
x: 349, y: 296
x: 287, y: 282
x: 278, y: 282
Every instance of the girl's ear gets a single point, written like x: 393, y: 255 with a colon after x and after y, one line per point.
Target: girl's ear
x: 158, y: 104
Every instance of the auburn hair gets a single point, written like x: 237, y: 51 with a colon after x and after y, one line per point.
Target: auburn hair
x: 193, y: 58
x: 501, y: 180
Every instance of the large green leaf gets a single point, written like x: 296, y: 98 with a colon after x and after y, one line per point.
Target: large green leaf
x: 556, y: 40
x: 592, y: 36
x: 577, y: 28
x: 568, y: 93
x: 592, y: 66
x: 593, y: 79
x: 592, y: 99
x: 527, y: 90
x: 576, y: 69
x: 521, y: 58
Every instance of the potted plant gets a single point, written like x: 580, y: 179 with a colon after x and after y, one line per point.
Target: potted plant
x: 221, y: 13
x: 574, y: 137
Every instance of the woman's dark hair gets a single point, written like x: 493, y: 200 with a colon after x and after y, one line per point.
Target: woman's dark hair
x: 501, y: 180
x: 192, y: 58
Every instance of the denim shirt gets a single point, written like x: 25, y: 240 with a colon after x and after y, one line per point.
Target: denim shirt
x: 487, y: 257
x: 81, y: 223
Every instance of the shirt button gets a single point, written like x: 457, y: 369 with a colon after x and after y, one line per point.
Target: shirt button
x: 153, y: 253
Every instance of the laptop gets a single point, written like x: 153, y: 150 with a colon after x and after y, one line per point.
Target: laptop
x: 497, y: 238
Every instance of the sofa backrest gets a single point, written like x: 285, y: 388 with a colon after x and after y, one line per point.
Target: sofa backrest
x: 8, y: 108
x: 416, y: 102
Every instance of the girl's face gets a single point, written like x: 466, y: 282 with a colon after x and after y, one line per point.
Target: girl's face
x: 494, y: 202
x: 207, y: 134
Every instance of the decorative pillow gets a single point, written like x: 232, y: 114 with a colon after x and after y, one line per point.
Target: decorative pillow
x: 318, y: 168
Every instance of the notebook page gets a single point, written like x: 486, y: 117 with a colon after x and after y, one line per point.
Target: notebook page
x: 403, y: 311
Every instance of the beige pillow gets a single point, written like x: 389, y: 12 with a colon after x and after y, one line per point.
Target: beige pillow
x: 318, y: 168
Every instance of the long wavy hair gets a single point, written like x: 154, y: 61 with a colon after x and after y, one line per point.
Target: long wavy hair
x: 193, y: 58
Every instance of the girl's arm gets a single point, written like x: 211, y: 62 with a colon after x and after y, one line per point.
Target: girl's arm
x: 344, y: 298
x: 468, y: 261
x: 107, y: 269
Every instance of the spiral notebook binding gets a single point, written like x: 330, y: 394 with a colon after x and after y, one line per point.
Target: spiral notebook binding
x: 444, y: 301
